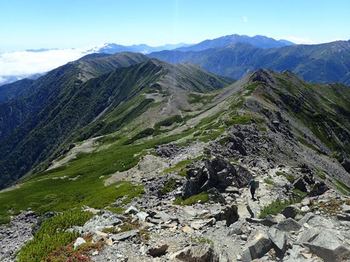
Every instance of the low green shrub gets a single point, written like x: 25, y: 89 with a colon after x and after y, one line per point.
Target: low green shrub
x: 52, y: 235
x: 201, y: 197
x: 275, y: 207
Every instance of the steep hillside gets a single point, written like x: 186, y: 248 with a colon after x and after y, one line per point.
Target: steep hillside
x: 85, y: 101
x: 324, y: 63
x: 175, y: 155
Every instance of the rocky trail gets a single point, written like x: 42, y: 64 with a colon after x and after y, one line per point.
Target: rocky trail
x: 296, y: 217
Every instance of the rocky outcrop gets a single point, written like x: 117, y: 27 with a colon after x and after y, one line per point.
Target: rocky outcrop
x: 215, y: 173
x: 167, y: 150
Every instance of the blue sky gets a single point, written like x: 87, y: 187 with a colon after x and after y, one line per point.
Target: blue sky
x: 28, y: 24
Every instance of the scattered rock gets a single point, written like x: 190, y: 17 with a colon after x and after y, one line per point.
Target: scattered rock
x: 344, y: 217
x: 187, y: 230
x: 345, y: 208
x: 268, y: 221
x: 99, y: 222
x: 131, y: 210
x: 305, y: 209
x: 158, y: 251
x: 142, y: 216
x: 236, y: 229
x: 15, y: 234
x: 125, y: 235
x: 78, y: 242
x: 215, y: 196
x: 199, y: 224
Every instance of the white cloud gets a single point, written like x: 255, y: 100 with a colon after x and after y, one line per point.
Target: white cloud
x: 23, y: 63
x: 244, y: 19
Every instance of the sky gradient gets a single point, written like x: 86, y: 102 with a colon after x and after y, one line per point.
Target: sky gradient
x: 36, y: 24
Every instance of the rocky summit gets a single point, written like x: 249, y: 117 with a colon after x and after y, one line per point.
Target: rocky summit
x: 147, y: 161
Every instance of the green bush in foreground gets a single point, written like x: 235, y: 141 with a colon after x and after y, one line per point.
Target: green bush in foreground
x: 201, y: 197
x: 53, y: 235
x: 275, y: 207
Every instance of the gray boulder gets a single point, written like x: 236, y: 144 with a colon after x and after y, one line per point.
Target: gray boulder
x: 290, y: 211
x: 301, y: 185
x: 318, y: 189
x: 200, y: 253
x: 288, y: 225
x: 329, y: 245
x: 216, y: 173
x: 125, y: 235
x: 257, y: 247
x: 229, y: 214
x: 158, y: 251
x: 267, y: 221
x: 167, y: 150
x: 279, y: 240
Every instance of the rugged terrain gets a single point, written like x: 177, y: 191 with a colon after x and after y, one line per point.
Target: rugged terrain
x: 169, y: 181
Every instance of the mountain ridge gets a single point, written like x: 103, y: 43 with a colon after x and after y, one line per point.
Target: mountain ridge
x: 304, y: 60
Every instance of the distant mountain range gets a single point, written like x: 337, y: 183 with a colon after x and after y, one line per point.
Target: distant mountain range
x: 322, y: 63
x: 10, y: 62
x: 231, y: 56
x: 230, y: 40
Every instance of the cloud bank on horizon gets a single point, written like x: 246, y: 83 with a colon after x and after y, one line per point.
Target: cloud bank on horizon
x: 21, y: 64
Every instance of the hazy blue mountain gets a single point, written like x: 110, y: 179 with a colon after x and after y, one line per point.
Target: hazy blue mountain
x: 225, y: 41
x: 322, y: 63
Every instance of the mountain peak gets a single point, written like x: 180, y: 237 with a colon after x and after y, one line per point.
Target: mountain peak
x: 262, y: 75
x: 258, y: 41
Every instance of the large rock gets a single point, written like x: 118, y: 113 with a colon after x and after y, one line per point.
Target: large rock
x: 279, y: 240
x: 290, y: 211
x: 243, y: 177
x: 289, y: 225
x: 329, y: 245
x: 158, y: 251
x: 167, y: 150
x: 301, y: 185
x: 125, y: 235
x: 99, y: 222
x: 346, y: 164
x: 318, y: 188
x: 257, y: 247
x: 229, y: 214
x: 215, y: 173
x: 200, y: 253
